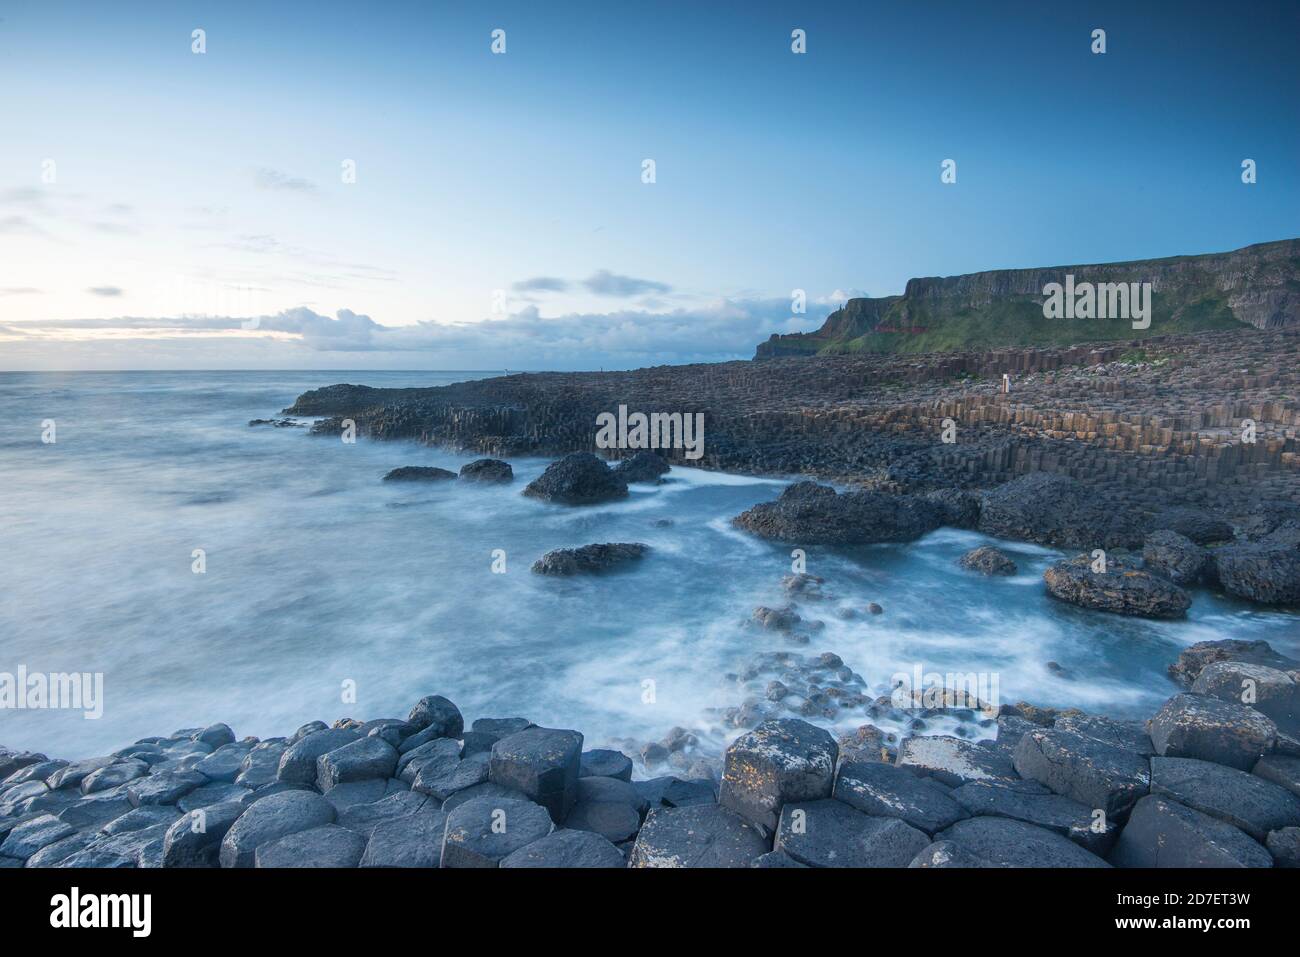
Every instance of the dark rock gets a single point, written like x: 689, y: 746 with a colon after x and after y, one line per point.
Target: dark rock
x: 1280, y: 769
x: 958, y: 508
x: 216, y: 735
x: 1095, y: 774
x: 418, y: 473
x: 1125, y: 735
x: 1192, y: 660
x: 811, y: 514
x: 139, y: 818
x: 487, y: 789
x: 1243, y: 800
x: 298, y: 762
x: 442, y: 779
x: 487, y: 470
x: 411, y: 840
x: 604, y: 763
x: 1272, y: 692
x: 261, y: 765
x: 776, y: 619
x: 163, y: 787
x: 27, y: 838
x: 947, y: 854
x: 442, y: 755
x: 829, y: 833
x: 1002, y: 842
x: 270, y: 818
x: 775, y: 859
x: 541, y: 762
x: 874, y: 609
x: 988, y: 560
x: 94, y: 813
x: 1175, y: 557
x: 224, y: 764
x: 867, y: 743
x: 1283, y: 845
x: 483, y: 831
x: 51, y: 855
x: 11, y: 761
x: 779, y: 761
x: 567, y: 849
x: 889, y: 791
x: 326, y: 846
x: 194, y: 840
x: 360, y: 760
x: 954, y: 761
x: 71, y: 775
x: 803, y: 586
x: 34, y: 772
x: 1121, y: 589
x: 1201, y: 527
x: 1266, y: 573
x: 643, y: 467
x: 1164, y: 833
x: 580, y: 478
x: 1054, y: 510
x: 705, y: 835
x: 364, y: 818
x: 1197, y: 726
x: 344, y: 796
x: 1052, y: 812
x: 434, y: 714
x: 589, y: 559
x: 114, y: 775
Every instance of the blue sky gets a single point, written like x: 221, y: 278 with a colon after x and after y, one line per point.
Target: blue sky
x: 498, y: 218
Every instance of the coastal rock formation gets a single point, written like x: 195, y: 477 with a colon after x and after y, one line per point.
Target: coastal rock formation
x: 810, y: 514
x: 1194, y: 659
x: 578, y: 479
x: 643, y: 467
x: 1053, y: 510
x: 1174, y: 556
x: 988, y: 560
x: 418, y: 473
x: 487, y: 470
x: 1267, y: 573
x: 1121, y: 588
x: 589, y: 559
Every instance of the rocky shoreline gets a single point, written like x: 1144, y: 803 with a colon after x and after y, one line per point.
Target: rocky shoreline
x: 1207, y: 782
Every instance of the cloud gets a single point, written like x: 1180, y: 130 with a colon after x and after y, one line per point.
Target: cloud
x: 20, y: 291
x: 107, y: 291
x: 605, y: 283
x: 20, y: 225
x: 541, y: 284
x: 266, y: 178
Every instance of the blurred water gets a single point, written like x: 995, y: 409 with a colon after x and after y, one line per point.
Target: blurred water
x: 319, y: 574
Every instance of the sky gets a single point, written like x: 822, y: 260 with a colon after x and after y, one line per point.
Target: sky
x: 166, y: 208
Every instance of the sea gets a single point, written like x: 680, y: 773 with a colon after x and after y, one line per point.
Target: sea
x: 208, y: 570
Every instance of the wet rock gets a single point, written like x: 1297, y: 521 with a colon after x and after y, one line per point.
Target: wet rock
x: 326, y: 846
x: 298, y: 762
x: 411, y: 840
x: 1125, y: 735
x: 942, y: 854
x: 261, y: 765
x: 867, y: 743
x: 1053, y: 510
x: 113, y: 776
x: 487, y: 789
x: 1265, y: 573
x: 889, y: 791
x: 1038, y: 806
x: 580, y: 478
x: 954, y: 761
x: 364, y: 818
x: 1175, y: 557
x: 194, y: 840
x: 51, y: 855
x: 776, y: 619
x: 779, y: 761
x: 1092, y: 773
x: 483, y: 831
x: 604, y: 763
x: 344, y: 796
x: 543, y: 763
x: 418, y: 473
x: 874, y: 609
x: 11, y: 761
x: 1197, y: 726
x: 829, y: 833
x: 1243, y: 800
x: 435, y: 716
x: 95, y: 812
x: 270, y: 818
x: 590, y: 559
x: 139, y: 818
x: 487, y: 470
x: 802, y: 585
x: 441, y: 755
x: 71, y: 775
x: 643, y: 467
x: 224, y: 764
x: 33, y: 772
x: 1121, y: 589
x: 1283, y: 845
x: 608, y: 807
x: 1002, y: 842
x: 810, y: 514
x: 442, y: 779
x: 1270, y: 691
x: 1192, y: 660
x: 958, y: 508
x: 216, y: 735
x: 775, y: 859
x: 27, y: 838
x: 1164, y: 833
x: 163, y: 787
x: 359, y: 760
x: 988, y: 560
x: 1280, y: 769
x: 705, y: 835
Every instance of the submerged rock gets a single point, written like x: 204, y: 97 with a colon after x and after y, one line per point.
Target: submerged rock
x: 579, y: 478
x: 492, y: 471
x: 643, y: 467
x: 418, y: 473
x: 589, y: 559
x: 810, y: 514
x: 988, y: 560
x: 1121, y: 588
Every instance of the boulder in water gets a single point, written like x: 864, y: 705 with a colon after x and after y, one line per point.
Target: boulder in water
x: 578, y: 479
x: 1121, y: 588
x: 589, y: 559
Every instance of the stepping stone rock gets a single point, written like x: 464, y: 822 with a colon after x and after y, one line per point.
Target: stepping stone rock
x: 1164, y: 833
x: 487, y: 470
x: 955, y: 761
x: 443, y: 753
x: 362, y: 760
x: 326, y: 846
x: 270, y: 818
x: 163, y: 787
x: 780, y: 761
x: 566, y: 849
x: 194, y: 840
x: 1268, y: 573
x: 482, y: 832
x: 1092, y: 773
x: 1002, y: 842
x: 224, y: 764
x: 1210, y: 729
x: 942, y: 854
x: 486, y: 732
x: 543, y: 763
x: 1243, y: 800
x: 829, y: 833
x: 699, y: 836
x: 1270, y: 691
x: 298, y: 763
x: 1052, y: 812
x: 34, y: 772
x: 605, y: 764
x: 434, y: 715
x: 487, y: 789
x: 411, y: 840
x: 889, y: 791
x: 589, y: 559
